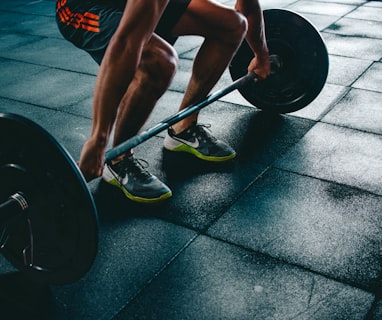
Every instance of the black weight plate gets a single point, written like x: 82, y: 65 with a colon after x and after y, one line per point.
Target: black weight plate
x: 62, y: 214
x: 303, y: 64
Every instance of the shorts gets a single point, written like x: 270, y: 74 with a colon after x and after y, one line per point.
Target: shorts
x: 91, y: 27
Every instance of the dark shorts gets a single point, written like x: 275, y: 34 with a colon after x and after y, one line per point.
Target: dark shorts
x: 91, y: 27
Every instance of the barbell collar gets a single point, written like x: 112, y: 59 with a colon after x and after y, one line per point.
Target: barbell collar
x: 13, y: 206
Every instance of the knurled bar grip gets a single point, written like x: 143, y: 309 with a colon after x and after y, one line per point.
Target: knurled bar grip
x: 166, y: 123
x: 16, y: 203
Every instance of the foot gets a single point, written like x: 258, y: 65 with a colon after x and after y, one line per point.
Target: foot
x: 199, y: 142
x: 135, y: 182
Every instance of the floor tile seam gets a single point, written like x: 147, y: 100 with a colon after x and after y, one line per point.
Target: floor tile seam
x: 182, y: 54
x: 351, y: 35
x: 172, y: 90
x: 71, y: 113
x: 48, y: 66
x: 328, y: 29
x: 40, y: 35
x: 355, y: 188
x: 355, y: 130
x: 374, y: 306
x: 29, y: 13
x: 156, y: 274
x: 377, y: 300
x: 360, y: 5
x: 362, y: 131
x: 23, y: 61
x: 324, y: 114
x: 204, y: 230
x: 356, y: 19
x: 361, y: 19
x: 78, y: 102
x: 31, y: 104
x: 267, y: 167
x: 352, y: 57
x: 59, y: 110
x: 36, y: 39
x: 321, y: 301
x: 356, y: 6
x: 266, y: 255
x: 283, y: 153
x: 250, y: 250
x: 363, y: 74
x: 305, y: 13
x: 12, y: 81
x: 59, y: 37
x: 330, y: 32
x: 333, y: 104
x: 353, y: 284
x: 220, y: 100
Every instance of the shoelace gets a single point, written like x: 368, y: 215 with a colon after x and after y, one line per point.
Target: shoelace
x: 136, y: 167
x: 202, y: 132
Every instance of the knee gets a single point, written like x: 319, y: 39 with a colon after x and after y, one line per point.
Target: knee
x: 232, y: 29
x: 166, y: 61
x: 160, y: 65
x: 239, y: 27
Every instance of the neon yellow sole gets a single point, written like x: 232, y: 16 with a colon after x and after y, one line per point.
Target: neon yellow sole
x: 196, y: 153
x: 114, y: 182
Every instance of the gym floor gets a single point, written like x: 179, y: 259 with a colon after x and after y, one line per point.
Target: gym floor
x: 291, y: 229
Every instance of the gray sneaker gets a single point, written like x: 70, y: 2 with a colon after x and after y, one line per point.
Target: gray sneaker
x: 135, y: 181
x: 199, y: 142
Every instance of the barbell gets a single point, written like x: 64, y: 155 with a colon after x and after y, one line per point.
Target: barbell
x: 48, y: 217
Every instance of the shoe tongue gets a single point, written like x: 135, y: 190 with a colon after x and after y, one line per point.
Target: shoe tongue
x: 194, y: 126
x: 136, y: 167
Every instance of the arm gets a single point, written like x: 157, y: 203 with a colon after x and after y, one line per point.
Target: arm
x: 255, y: 36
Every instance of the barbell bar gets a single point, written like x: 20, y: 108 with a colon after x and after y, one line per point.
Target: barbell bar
x: 48, y: 218
x: 168, y: 122
x: 299, y: 68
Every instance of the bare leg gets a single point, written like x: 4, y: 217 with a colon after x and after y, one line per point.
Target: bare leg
x: 151, y: 80
x: 223, y: 29
x: 119, y: 65
x: 153, y: 76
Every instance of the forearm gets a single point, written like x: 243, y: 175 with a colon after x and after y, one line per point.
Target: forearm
x: 251, y: 9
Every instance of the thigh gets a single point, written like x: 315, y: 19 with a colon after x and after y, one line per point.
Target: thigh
x: 96, y: 43
x: 206, y: 18
x: 174, y: 11
x: 94, y: 37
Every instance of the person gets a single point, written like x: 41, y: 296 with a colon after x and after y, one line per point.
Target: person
x: 132, y: 41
